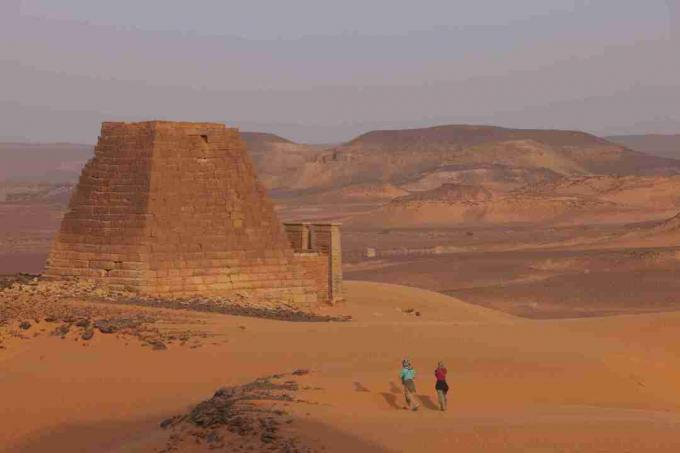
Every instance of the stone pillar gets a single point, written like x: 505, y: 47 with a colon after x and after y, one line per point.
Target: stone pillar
x: 299, y: 236
x: 325, y: 238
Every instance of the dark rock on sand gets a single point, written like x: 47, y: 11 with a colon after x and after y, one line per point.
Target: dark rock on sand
x: 88, y: 334
x: 171, y: 421
x: 157, y: 345
x: 116, y: 324
x: 243, y: 417
x: 83, y: 323
x: 62, y: 330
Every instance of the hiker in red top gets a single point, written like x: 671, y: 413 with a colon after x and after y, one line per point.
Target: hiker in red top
x: 441, y: 386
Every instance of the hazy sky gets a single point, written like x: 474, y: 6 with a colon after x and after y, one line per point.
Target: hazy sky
x: 322, y: 71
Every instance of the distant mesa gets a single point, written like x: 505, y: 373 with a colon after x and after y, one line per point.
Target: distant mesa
x: 471, y: 135
x: 486, y: 155
x: 170, y: 208
x: 255, y: 139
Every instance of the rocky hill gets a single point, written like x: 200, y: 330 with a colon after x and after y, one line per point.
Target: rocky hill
x: 277, y: 159
x: 455, y: 153
x: 411, y: 159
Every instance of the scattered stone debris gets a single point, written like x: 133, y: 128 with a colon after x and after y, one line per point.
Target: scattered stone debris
x: 240, y: 307
x: 24, y: 286
x: 113, y: 325
x: 171, y: 421
x: 67, y: 306
x: 62, y: 330
x: 244, y: 417
x: 78, y: 309
x: 300, y: 372
x: 157, y: 345
x: 21, y: 278
x: 411, y: 311
x: 87, y: 334
x: 83, y: 323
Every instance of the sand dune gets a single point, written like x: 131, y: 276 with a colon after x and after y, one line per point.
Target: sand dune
x: 368, y: 301
x: 574, y: 385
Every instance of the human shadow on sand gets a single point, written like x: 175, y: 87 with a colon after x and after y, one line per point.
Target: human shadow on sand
x: 428, y: 402
x: 359, y: 387
x: 394, y: 389
x: 391, y: 399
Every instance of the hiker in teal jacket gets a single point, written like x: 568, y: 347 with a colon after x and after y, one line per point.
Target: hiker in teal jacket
x: 407, y: 376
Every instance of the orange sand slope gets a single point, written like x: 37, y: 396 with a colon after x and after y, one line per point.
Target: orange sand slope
x: 599, y: 384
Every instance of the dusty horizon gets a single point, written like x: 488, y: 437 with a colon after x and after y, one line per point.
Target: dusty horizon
x: 321, y: 145
x: 318, y: 75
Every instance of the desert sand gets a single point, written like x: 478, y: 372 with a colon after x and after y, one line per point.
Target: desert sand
x: 541, y: 266
x: 600, y: 384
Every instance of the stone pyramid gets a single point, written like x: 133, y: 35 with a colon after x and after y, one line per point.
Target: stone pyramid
x: 175, y: 208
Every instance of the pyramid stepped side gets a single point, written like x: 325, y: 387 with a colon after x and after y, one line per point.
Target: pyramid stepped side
x: 201, y: 223
x: 224, y: 234
x: 103, y: 235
